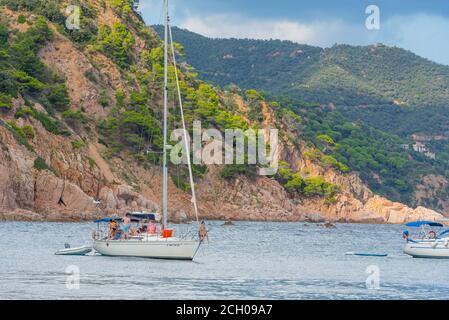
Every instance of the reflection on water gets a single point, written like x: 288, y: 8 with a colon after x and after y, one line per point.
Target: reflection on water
x: 251, y: 260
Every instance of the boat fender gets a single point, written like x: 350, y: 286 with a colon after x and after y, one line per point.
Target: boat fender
x: 446, y: 242
x: 434, y: 245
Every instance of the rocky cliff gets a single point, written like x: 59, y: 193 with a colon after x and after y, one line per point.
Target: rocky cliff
x: 76, y: 175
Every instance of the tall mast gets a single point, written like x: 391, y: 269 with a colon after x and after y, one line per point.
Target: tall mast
x: 165, y: 171
x: 186, y: 140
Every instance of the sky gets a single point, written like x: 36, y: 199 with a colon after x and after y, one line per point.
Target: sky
x: 421, y: 26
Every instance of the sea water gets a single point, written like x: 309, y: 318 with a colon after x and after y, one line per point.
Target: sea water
x: 251, y: 260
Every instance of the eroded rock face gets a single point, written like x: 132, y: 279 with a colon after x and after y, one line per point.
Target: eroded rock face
x: 244, y: 199
x: 430, y: 187
x: 61, y: 55
x: 30, y: 194
x: 56, y: 198
x: 122, y: 198
x: 394, y: 212
x: 16, y: 175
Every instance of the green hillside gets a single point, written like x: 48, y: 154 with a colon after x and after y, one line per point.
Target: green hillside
x: 379, y: 97
x: 343, y: 74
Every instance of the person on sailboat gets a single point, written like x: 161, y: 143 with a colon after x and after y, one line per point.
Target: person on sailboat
x: 112, y: 229
x: 142, y: 227
x: 152, y: 228
x: 203, y: 231
x: 126, y: 225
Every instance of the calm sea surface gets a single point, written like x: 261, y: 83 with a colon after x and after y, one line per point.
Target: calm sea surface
x: 251, y: 260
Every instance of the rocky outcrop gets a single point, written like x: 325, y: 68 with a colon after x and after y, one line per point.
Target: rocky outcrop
x: 245, y: 199
x: 431, y: 187
x: 31, y: 194
x: 16, y: 175
x: 123, y: 198
x: 394, y: 212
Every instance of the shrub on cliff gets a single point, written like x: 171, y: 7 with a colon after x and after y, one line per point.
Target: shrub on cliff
x: 103, y: 99
x: 73, y: 117
x: 21, y: 19
x: 40, y: 164
x: 25, y: 112
x: 5, y: 101
x: 232, y: 171
x: 309, y: 187
x: 28, y: 131
x: 78, y: 144
x: 331, y: 161
x: 48, y: 123
x: 19, y: 135
x: 116, y: 43
x: 296, y: 183
x: 59, y: 97
x: 317, y: 186
x: 123, y: 7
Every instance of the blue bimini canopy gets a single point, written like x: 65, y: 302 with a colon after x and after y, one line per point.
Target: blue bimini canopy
x: 108, y: 219
x: 134, y: 216
x: 424, y: 223
x: 142, y: 216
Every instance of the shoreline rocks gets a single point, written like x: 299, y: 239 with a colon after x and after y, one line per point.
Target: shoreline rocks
x: 228, y: 223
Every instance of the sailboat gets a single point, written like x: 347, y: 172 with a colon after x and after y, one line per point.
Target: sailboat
x: 164, y: 246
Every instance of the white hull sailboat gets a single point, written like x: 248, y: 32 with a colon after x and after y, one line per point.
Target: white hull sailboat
x: 157, y: 248
x: 163, y: 246
x: 429, y: 244
x: 436, y: 249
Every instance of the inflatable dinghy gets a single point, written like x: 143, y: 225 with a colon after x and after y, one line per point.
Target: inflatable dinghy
x: 78, y: 251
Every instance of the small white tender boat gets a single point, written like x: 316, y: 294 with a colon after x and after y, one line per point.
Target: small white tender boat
x: 78, y: 251
x: 429, y: 243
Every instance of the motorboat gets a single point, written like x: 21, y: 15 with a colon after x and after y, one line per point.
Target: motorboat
x: 429, y: 243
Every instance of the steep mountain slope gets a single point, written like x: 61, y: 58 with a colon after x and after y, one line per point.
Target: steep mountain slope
x: 344, y: 75
x: 80, y: 130
x: 378, y: 87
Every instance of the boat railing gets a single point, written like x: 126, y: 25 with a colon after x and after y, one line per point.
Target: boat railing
x: 102, y: 233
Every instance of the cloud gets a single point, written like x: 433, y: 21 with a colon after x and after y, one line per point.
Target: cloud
x: 426, y: 35
x: 320, y: 33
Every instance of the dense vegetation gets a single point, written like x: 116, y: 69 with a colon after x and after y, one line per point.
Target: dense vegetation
x: 22, y: 73
x: 342, y: 74
x: 296, y: 183
x: 376, y: 155
x: 378, y: 97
